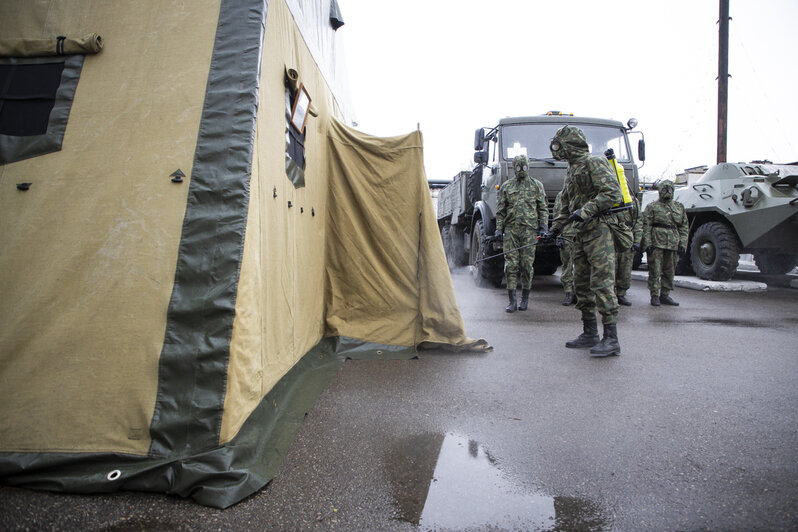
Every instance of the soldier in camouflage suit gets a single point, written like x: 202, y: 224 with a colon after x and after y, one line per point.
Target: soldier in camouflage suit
x: 665, y: 235
x: 565, y: 242
x: 591, y: 188
x: 521, y: 216
x: 625, y: 257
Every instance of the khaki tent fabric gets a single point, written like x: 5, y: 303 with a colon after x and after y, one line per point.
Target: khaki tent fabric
x: 279, y: 308
x: 157, y: 329
x: 88, y: 254
x: 387, y: 277
x: 88, y: 44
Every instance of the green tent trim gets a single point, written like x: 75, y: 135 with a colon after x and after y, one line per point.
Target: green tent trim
x: 219, y: 476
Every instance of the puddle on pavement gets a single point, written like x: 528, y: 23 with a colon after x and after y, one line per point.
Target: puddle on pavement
x: 450, y: 482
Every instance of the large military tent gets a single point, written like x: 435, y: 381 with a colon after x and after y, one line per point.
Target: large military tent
x: 193, y: 240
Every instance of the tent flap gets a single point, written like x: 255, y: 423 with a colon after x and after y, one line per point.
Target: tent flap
x: 88, y: 44
x: 387, y: 276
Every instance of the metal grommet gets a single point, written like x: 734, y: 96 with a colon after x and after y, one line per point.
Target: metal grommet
x: 379, y: 352
x: 113, y: 475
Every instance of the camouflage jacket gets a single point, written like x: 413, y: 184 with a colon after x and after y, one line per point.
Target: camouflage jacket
x: 522, y: 203
x: 569, y: 230
x: 665, y: 225
x: 592, y: 186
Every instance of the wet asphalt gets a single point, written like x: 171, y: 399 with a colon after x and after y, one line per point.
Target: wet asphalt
x: 693, y: 427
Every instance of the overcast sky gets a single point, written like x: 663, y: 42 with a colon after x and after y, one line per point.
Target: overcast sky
x: 455, y: 65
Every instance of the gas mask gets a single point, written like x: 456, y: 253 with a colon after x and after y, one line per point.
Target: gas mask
x: 521, y: 166
x: 557, y: 150
x: 666, y: 191
x: 569, y: 142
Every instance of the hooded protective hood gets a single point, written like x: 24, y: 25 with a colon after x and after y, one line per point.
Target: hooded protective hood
x: 569, y: 143
x: 666, y: 190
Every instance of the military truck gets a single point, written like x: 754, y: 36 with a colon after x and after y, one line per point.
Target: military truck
x: 467, y: 206
x: 736, y: 208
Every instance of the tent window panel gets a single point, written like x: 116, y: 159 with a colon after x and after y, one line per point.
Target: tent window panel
x: 294, y: 145
x: 36, y: 96
x: 27, y: 96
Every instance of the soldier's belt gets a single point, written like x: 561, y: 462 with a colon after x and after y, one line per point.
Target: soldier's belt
x: 663, y: 226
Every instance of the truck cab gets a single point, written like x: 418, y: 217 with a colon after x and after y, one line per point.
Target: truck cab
x: 495, y: 149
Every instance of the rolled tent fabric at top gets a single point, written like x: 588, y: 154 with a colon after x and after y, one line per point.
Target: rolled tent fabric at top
x: 88, y: 44
x: 388, y: 280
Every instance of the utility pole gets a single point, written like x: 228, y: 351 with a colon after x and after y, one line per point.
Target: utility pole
x: 723, y: 79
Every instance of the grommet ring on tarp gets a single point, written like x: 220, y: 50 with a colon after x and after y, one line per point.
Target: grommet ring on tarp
x: 113, y: 475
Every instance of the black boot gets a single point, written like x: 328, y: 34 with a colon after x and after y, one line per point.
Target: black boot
x: 513, y: 305
x: 665, y: 299
x: 589, y: 337
x: 654, y: 301
x: 570, y: 299
x: 524, y: 299
x: 623, y: 301
x: 609, y: 344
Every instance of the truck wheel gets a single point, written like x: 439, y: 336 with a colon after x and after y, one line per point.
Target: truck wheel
x: 715, y: 251
x: 446, y: 237
x: 546, y: 267
x: 485, y: 272
x: 773, y: 262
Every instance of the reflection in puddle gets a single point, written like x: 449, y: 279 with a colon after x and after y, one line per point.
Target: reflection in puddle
x: 451, y: 482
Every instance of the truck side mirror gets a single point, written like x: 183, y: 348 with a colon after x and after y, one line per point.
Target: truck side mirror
x: 641, y: 149
x: 481, y: 157
x: 479, y: 139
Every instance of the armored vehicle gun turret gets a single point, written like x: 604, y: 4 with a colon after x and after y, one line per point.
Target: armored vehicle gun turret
x: 739, y: 208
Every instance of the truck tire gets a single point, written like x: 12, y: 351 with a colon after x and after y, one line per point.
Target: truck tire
x: 715, y: 251
x: 486, y: 273
x: 446, y: 237
x: 773, y: 262
x: 546, y: 267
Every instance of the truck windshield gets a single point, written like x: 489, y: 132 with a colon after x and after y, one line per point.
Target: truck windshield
x: 533, y: 140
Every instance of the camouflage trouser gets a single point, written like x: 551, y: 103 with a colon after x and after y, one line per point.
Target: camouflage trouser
x: 623, y: 271
x: 661, y: 269
x: 518, y: 262
x: 594, y: 274
x: 567, y: 275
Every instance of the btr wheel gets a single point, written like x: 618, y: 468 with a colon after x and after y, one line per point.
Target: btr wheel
x: 715, y: 252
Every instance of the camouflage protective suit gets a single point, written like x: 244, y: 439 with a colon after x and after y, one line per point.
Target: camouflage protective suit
x: 665, y: 236
x: 520, y: 214
x: 566, y: 253
x: 591, y: 189
x: 624, y: 258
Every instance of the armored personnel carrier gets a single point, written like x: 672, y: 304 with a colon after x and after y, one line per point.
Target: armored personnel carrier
x: 737, y: 208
